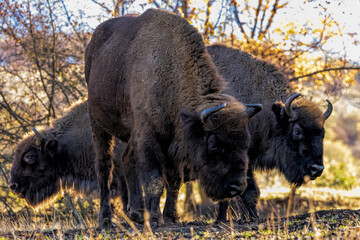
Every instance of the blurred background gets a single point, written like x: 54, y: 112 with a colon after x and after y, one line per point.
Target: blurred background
x: 315, y: 43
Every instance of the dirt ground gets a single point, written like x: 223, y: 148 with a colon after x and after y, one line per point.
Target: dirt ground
x: 324, y: 224
x: 327, y: 216
x: 330, y: 224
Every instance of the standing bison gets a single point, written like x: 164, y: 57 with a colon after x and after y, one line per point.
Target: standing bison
x: 287, y: 135
x: 151, y: 83
x: 61, y: 157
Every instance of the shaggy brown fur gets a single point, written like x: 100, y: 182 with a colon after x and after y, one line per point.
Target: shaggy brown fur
x: 64, y: 159
x: 144, y: 73
x: 292, y: 145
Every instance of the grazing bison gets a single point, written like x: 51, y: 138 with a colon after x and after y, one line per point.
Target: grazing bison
x: 151, y: 83
x: 287, y: 135
x: 61, y: 157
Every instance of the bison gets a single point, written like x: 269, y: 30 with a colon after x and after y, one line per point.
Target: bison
x: 286, y: 135
x: 152, y: 84
x: 61, y: 157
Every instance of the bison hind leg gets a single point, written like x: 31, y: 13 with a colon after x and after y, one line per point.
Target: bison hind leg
x: 135, y: 201
x: 103, y: 167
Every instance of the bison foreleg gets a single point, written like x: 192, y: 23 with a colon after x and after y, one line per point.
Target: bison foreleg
x: 154, y: 188
x: 173, y: 179
x: 151, y: 160
x: 103, y: 167
x: 250, y: 197
x: 223, y: 206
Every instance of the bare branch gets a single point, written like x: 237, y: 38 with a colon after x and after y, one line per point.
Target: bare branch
x: 256, y: 18
x: 184, y: 8
x: 324, y: 70
x: 273, y: 12
x: 82, y: 40
x: 237, y: 18
x: 265, y: 8
x: 102, y: 5
x: 207, y: 25
x: 19, y: 119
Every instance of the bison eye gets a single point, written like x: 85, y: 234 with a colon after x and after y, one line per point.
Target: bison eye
x: 29, y: 158
x: 213, y: 145
x: 297, y: 132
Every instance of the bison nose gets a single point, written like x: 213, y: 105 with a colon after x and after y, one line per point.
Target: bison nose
x: 13, y: 186
x: 316, y: 170
x: 237, y: 187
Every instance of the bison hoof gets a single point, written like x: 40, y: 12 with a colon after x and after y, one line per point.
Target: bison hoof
x: 251, y: 217
x: 171, y: 219
x: 221, y: 220
x: 157, y: 221
x: 105, y: 223
x: 136, y: 216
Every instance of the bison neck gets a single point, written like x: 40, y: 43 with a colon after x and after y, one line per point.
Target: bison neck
x: 80, y: 185
x: 78, y: 172
x: 267, y: 146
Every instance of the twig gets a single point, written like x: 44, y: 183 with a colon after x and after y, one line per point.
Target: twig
x: 324, y: 70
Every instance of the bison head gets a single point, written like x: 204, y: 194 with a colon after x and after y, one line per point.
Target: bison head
x: 34, y: 170
x: 218, y: 141
x: 300, y: 133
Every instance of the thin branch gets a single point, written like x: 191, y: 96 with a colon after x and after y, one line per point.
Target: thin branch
x: 207, y: 25
x: 25, y: 83
x: 184, y: 8
x: 102, y: 5
x: 83, y: 41
x: 265, y: 8
x: 19, y: 119
x: 36, y: 59
x: 220, y: 14
x: 53, y: 60
x: 256, y: 18
x: 237, y: 19
x: 273, y: 12
x: 325, y: 70
x: 157, y: 5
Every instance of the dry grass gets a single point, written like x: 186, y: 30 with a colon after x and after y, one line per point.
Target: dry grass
x: 280, y: 220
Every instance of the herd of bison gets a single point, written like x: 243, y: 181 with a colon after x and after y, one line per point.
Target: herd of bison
x: 164, y: 109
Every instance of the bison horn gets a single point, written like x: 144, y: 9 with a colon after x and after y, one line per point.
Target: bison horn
x: 253, y: 109
x: 207, y: 112
x: 328, y: 111
x: 288, y: 102
x: 39, y: 136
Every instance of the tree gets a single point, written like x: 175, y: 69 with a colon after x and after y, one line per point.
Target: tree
x: 41, y: 69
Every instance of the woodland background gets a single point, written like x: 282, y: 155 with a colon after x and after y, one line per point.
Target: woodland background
x: 42, y: 45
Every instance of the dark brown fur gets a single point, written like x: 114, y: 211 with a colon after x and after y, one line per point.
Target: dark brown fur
x: 65, y: 159
x: 274, y: 144
x: 149, y: 78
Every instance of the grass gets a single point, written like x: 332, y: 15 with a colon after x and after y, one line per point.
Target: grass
x: 279, y: 221
x: 334, y: 224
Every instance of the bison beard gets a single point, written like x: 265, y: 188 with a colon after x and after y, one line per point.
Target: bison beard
x: 61, y: 157
x: 287, y: 137
x: 149, y: 78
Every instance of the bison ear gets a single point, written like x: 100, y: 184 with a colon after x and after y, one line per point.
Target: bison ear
x: 277, y: 109
x: 52, y: 146
x: 193, y: 126
x: 252, y: 109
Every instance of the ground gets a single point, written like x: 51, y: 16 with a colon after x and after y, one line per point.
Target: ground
x: 334, y: 224
x: 324, y: 224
